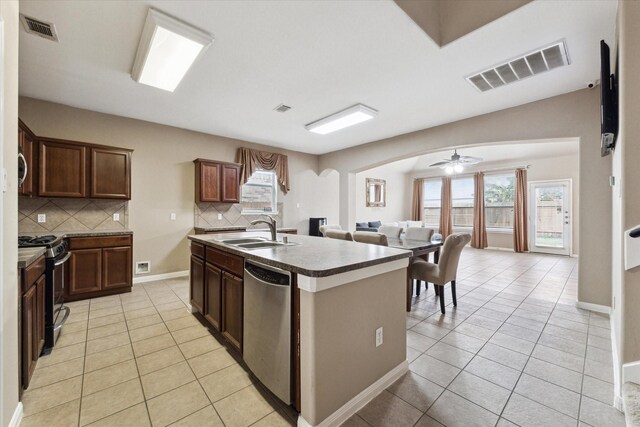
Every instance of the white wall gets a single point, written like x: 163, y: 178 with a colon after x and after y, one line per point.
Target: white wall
x: 398, y: 207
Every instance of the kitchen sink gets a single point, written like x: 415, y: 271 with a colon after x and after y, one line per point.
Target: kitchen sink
x: 260, y: 245
x: 242, y: 241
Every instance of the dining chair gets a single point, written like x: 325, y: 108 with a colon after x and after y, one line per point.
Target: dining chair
x: 390, y: 231
x: 418, y: 233
x: 338, y: 234
x: 447, y: 268
x: 324, y: 228
x: 370, y: 237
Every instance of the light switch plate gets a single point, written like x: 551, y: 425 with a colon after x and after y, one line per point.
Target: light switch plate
x: 116, y: 217
x: 379, y: 337
x: 42, y: 218
x: 173, y: 216
x: 219, y: 216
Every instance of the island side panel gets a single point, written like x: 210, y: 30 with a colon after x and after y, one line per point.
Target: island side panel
x: 339, y: 358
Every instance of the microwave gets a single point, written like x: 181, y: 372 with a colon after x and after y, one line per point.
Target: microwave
x: 22, y: 168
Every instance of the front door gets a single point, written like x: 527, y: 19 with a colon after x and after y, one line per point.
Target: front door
x: 550, y: 217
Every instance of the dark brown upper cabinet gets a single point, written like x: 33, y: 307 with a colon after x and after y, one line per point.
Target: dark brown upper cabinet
x: 77, y: 169
x: 110, y: 173
x: 62, y: 169
x: 26, y: 142
x: 217, y: 181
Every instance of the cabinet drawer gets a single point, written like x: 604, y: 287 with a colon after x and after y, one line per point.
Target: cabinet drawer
x: 99, y: 242
x: 229, y: 262
x: 32, y: 273
x: 197, y: 249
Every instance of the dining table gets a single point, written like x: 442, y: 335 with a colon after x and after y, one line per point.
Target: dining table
x: 421, y: 250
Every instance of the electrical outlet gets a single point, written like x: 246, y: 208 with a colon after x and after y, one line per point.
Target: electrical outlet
x: 173, y: 216
x: 219, y: 216
x: 116, y: 217
x: 42, y: 218
x: 379, y: 337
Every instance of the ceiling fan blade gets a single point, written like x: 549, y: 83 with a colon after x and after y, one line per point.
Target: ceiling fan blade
x: 471, y: 158
x: 446, y: 162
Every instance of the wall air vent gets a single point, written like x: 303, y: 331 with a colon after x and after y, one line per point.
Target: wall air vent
x: 40, y: 28
x: 530, y: 64
x: 282, y: 108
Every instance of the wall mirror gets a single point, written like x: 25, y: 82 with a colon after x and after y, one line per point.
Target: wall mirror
x: 376, y: 193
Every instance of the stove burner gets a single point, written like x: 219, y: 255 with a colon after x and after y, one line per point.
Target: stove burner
x: 36, y: 241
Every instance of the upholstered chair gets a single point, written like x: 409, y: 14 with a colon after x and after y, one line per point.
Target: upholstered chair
x: 324, y: 228
x: 390, y: 231
x: 418, y: 233
x: 338, y: 234
x: 447, y: 268
x: 370, y: 237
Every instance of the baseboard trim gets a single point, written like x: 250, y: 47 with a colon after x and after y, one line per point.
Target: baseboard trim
x: 618, y: 403
x: 593, y: 307
x: 496, y: 248
x: 154, y: 277
x: 358, y: 402
x: 16, y: 419
x: 630, y: 373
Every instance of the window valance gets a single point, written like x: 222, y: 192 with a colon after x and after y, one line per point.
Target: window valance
x: 253, y: 160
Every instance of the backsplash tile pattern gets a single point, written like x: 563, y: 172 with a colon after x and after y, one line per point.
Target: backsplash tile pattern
x: 71, y: 215
x: 206, y: 215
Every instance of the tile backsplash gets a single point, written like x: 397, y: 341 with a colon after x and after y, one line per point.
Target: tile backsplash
x: 71, y: 214
x: 206, y: 215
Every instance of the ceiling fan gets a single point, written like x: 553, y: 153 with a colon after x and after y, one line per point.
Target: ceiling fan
x: 456, y: 163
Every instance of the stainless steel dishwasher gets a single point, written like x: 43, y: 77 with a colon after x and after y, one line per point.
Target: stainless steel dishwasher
x: 267, y: 326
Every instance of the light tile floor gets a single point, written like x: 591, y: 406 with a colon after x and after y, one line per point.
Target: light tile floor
x: 141, y: 359
x: 516, y: 351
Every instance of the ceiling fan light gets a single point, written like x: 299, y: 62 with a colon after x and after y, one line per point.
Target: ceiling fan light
x: 458, y: 168
x: 449, y: 170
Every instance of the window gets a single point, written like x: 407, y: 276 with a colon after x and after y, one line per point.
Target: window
x: 431, y: 192
x: 462, y: 202
x: 260, y: 193
x: 499, y: 191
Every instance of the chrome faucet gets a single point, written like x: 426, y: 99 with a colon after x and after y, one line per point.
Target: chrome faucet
x: 271, y: 224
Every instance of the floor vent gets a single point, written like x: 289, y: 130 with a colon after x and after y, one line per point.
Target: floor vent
x: 282, y: 108
x: 536, y: 62
x: 40, y: 28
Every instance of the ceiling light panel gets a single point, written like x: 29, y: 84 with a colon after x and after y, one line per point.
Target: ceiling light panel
x: 532, y: 63
x: 168, y: 48
x: 351, y: 116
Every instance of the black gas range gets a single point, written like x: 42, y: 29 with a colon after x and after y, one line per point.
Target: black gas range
x: 56, y: 256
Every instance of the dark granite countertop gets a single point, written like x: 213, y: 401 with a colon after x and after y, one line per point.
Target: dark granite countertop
x: 27, y: 256
x: 312, y: 256
x: 229, y: 228
x: 92, y: 233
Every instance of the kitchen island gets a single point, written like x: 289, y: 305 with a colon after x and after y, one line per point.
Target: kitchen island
x: 347, y: 314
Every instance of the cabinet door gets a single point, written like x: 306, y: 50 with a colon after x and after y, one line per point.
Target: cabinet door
x: 213, y: 295
x: 230, y: 183
x: 208, y: 182
x: 232, y: 306
x: 110, y: 173
x: 196, y: 283
x: 85, y: 268
x: 62, y: 170
x: 25, y: 142
x: 116, y: 267
x: 29, y: 335
x: 40, y: 308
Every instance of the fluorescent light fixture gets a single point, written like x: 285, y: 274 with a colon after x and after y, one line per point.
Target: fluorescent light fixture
x: 167, y: 50
x: 342, y: 119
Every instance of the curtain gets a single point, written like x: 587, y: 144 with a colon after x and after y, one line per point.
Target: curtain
x: 479, y: 234
x: 520, y: 239
x: 417, y: 209
x: 446, y: 226
x: 253, y: 160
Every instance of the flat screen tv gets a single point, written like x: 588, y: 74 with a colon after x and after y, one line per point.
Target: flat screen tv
x: 608, y: 103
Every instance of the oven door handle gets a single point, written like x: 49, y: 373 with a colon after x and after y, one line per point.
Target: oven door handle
x: 63, y: 260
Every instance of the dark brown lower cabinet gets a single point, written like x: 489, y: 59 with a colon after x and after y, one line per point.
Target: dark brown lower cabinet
x: 196, y: 283
x: 29, y: 335
x: 31, y: 322
x: 232, y: 303
x: 213, y: 289
x: 99, y: 266
x: 40, y: 302
x: 85, y: 268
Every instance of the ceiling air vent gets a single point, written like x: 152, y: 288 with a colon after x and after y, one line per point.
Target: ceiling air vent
x: 536, y: 62
x: 40, y: 28
x: 282, y: 108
